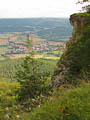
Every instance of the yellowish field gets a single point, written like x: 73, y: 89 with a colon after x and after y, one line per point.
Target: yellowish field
x: 52, y: 58
x: 2, y: 58
x: 4, y: 36
x: 24, y: 55
x: 16, y: 56
x: 3, y: 50
x: 2, y: 42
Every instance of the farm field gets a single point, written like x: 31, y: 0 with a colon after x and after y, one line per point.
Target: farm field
x: 13, y: 46
x: 47, y: 34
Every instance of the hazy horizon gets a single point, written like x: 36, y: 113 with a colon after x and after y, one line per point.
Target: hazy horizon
x: 39, y: 18
x: 38, y: 8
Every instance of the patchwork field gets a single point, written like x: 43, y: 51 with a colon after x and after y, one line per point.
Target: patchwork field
x: 13, y: 46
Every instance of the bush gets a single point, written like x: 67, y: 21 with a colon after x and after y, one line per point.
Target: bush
x: 71, y: 104
x: 8, y: 100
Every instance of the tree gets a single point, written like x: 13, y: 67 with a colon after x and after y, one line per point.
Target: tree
x: 32, y: 81
x: 82, y: 1
x: 85, y: 8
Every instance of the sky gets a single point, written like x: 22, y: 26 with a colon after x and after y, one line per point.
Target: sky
x: 37, y: 8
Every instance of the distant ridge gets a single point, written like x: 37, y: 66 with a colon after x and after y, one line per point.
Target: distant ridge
x: 51, y: 29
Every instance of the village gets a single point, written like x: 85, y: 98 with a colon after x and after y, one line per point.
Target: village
x: 37, y: 48
x: 16, y: 44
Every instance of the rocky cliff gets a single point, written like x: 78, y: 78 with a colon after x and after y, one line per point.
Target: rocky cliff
x: 74, y: 65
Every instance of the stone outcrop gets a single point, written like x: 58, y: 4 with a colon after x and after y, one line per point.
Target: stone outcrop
x: 75, y: 61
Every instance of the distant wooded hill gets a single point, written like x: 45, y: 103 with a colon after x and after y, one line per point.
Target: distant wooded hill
x: 52, y: 29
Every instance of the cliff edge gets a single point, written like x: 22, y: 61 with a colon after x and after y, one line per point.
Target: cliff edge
x: 74, y: 65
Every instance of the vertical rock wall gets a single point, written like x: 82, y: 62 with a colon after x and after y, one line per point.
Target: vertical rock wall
x: 76, y: 57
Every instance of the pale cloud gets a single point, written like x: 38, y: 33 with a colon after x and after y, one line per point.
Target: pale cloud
x: 37, y: 8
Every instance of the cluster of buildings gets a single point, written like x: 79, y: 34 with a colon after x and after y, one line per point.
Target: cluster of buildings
x: 17, y: 46
x: 37, y: 48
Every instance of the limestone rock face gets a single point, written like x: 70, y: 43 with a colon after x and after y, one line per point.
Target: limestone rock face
x: 75, y: 61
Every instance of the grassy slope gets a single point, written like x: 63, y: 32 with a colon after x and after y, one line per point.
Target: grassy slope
x: 71, y: 104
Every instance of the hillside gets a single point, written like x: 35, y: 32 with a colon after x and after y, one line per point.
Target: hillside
x: 71, y: 104
x: 74, y: 64
x: 52, y: 29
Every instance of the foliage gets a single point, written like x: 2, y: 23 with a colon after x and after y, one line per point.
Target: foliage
x: 82, y: 1
x: 85, y: 8
x: 10, y: 108
x: 8, y: 100
x: 86, y: 15
x: 80, y: 61
x: 9, y: 68
x: 33, y: 78
x: 71, y: 104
